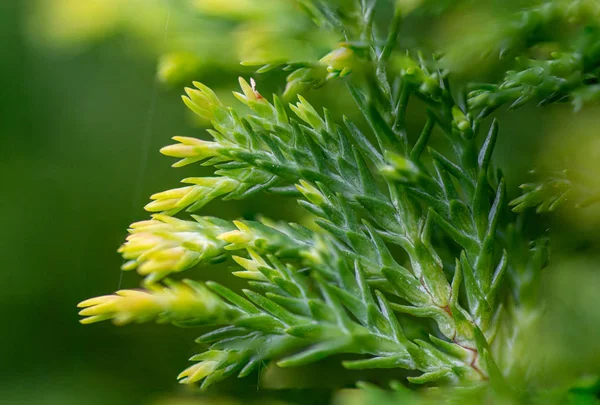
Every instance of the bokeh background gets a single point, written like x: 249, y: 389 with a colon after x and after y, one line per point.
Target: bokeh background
x: 89, y: 91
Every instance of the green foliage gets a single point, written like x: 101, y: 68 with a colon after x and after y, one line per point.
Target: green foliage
x: 555, y: 190
x: 408, y: 227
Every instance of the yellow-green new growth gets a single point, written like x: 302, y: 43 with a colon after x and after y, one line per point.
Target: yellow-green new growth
x: 251, y: 266
x: 202, y: 100
x: 250, y: 92
x: 165, y: 245
x: 202, y: 369
x: 312, y: 193
x: 240, y: 238
x: 308, y: 114
x: 191, y: 150
x: 339, y: 62
x: 185, y: 302
x: 192, y: 198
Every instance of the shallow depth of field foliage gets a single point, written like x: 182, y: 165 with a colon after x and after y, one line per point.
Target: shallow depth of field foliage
x: 383, y: 201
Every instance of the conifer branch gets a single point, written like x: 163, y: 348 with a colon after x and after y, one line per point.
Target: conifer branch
x: 403, y: 230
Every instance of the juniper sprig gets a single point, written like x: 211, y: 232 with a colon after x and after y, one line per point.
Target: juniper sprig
x: 350, y: 264
x: 403, y: 230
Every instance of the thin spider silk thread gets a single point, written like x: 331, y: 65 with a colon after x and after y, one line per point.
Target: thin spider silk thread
x: 146, y: 143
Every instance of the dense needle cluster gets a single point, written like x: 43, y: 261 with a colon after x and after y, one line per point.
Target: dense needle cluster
x: 403, y: 231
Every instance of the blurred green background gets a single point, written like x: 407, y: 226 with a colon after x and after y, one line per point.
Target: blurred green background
x: 81, y: 120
